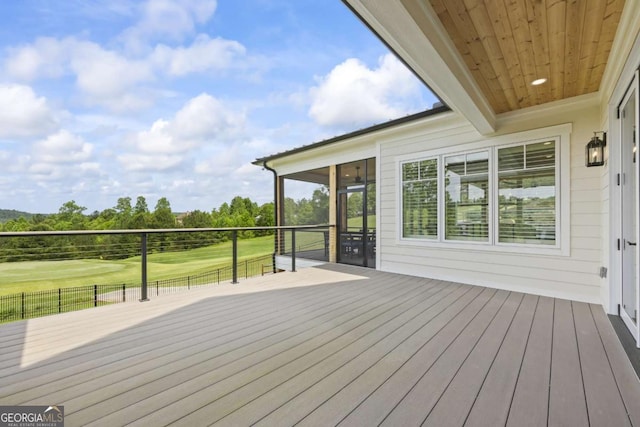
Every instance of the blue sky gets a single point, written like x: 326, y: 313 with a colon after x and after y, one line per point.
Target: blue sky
x: 101, y: 99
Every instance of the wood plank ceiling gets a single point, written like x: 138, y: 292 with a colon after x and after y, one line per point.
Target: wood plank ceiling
x: 507, y: 44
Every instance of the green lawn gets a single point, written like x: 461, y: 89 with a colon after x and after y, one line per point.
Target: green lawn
x: 32, y: 276
x: 357, y: 222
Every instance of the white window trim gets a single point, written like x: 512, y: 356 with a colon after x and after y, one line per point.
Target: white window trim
x: 560, y: 133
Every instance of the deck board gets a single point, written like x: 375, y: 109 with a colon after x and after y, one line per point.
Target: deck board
x: 624, y: 374
x: 348, y: 361
x: 330, y: 345
x: 567, y: 405
x: 425, y: 393
x: 601, y: 391
x: 456, y: 401
x: 218, y: 399
x: 530, y: 402
x: 176, y: 381
x: 378, y: 404
x: 494, y: 398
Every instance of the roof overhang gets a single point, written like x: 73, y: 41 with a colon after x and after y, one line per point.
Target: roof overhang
x: 262, y: 161
x: 416, y: 35
x: 481, y: 58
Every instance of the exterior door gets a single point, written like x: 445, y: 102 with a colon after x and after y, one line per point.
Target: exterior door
x: 629, y: 181
x: 357, y: 213
x: 352, y: 227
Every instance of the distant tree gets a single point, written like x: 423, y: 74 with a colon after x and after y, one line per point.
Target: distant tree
x: 197, y: 219
x: 124, y: 212
x: 139, y: 221
x: 162, y: 215
x: 69, y: 210
x: 320, y: 205
x: 163, y: 203
x: 290, y: 212
x: 141, y: 206
x: 123, y: 206
x: 70, y: 217
x: 19, y: 224
x: 8, y: 214
x: 265, y: 218
x: 38, y: 219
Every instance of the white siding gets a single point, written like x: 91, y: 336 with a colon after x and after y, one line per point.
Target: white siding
x: 575, y: 276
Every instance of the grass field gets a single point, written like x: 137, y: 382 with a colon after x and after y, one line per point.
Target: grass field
x: 32, y: 276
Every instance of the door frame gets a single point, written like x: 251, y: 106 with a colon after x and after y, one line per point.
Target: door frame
x: 633, y: 91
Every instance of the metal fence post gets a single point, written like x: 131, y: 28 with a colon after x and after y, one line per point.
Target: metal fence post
x: 59, y: 300
x: 23, y: 305
x: 293, y: 250
x: 124, y: 293
x: 143, y: 245
x: 95, y: 295
x: 273, y: 263
x: 234, y: 236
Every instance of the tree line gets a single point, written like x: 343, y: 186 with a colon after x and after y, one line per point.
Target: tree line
x: 126, y: 215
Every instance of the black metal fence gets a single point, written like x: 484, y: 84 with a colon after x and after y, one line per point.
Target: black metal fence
x: 27, y: 305
x: 34, y: 304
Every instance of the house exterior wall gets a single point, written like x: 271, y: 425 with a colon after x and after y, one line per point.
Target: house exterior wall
x: 572, y: 272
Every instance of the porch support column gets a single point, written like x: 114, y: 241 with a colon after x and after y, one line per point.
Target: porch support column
x: 280, y: 215
x: 333, y: 213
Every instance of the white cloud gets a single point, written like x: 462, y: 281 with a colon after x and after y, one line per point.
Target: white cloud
x: 108, y: 78
x: 44, y: 58
x: 23, y: 114
x: 105, y: 77
x: 62, y: 147
x: 149, y: 162
x: 172, y: 19
x: 204, y: 54
x: 203, y: 120
x: 353, y: 94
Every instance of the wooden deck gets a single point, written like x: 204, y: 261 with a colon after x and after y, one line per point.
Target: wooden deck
x: 353, y: 347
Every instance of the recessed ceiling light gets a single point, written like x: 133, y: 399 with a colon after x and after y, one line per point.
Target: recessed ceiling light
x: 537, y: 82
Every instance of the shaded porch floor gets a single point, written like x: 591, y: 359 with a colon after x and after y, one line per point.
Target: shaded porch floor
x: 329, y: 345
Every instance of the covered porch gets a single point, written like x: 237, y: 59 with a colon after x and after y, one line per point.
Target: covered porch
x: 342, y: 195
x: 327, y: 345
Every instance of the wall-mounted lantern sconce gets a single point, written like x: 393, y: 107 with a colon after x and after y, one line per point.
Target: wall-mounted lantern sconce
x: 594, y: 154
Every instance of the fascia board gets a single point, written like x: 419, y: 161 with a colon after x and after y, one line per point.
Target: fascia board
x: 418, y: 37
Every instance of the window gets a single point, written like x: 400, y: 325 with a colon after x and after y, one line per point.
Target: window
x: 527, y: 194
x: 467, y: 197
x: 499, y: 196
x: 420, y: 199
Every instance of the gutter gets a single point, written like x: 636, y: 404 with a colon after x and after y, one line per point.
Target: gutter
x: 275, y: 210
